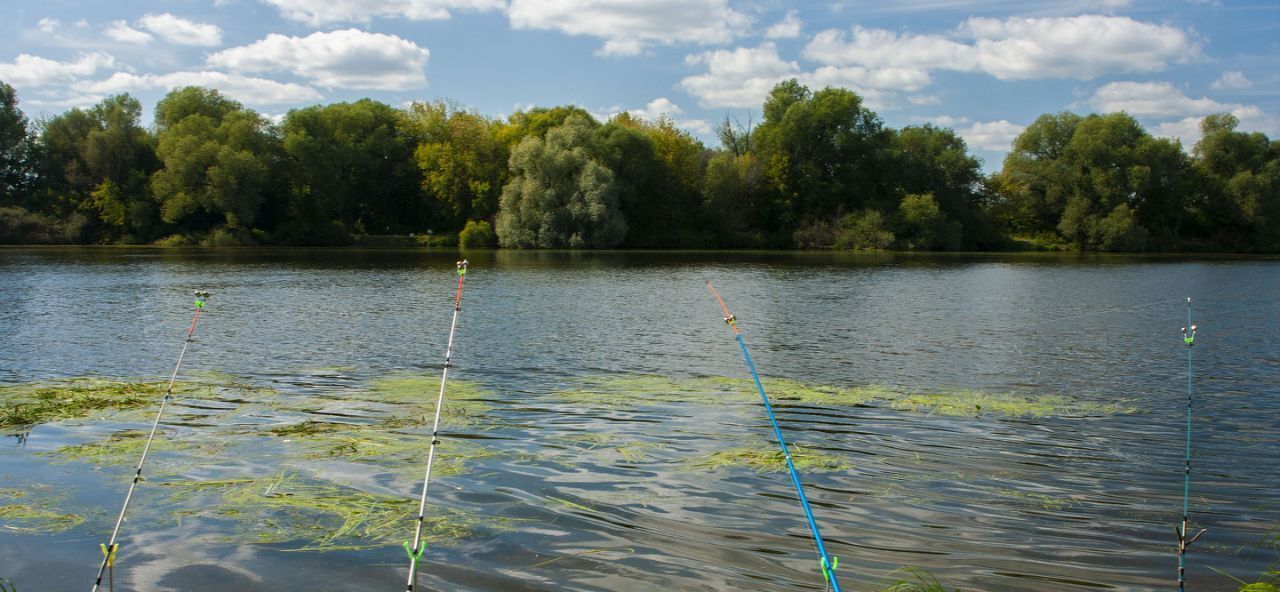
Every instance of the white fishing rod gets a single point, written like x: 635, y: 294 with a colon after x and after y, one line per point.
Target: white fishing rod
x: 110, y: 548
x: 415, y: 551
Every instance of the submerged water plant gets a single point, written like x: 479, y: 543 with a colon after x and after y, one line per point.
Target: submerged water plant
x: 629, y: 391
x: 911, y: 579
x: 315, y: 515
x: 765, y: 460
x: 35, y: 403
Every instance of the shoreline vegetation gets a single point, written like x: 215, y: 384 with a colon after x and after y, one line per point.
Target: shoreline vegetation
x: 819, y: 171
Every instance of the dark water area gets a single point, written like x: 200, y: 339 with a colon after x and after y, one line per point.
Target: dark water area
x: 599, y: 494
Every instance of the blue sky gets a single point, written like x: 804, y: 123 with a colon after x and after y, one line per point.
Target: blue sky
x: 985, y: 69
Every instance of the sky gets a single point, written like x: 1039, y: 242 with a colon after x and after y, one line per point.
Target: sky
x: 984, y: 69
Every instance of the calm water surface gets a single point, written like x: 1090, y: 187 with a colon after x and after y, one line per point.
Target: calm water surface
x: 1065, y: 502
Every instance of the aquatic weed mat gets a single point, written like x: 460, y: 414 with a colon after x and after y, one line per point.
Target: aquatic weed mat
x: 629, y: 391
x: 766, y: 459
x: 48, y: 401
x: 306, y: 514
x: 34, y: 510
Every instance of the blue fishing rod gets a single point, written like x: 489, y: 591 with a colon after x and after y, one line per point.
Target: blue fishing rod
x: 1189, y: 338
x: 827, y: 563
x: 418, y: 547
x: 109, y: 549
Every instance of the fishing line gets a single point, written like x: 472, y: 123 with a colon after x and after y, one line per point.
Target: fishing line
x: 826, y: 563
x: 1189, y: 338
x: 415, y: 551
x: 110, y: 548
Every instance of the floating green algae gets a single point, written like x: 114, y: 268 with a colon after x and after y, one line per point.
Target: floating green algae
x: 43, y: 402
x: 601, y: 444
x: 322, y: 516
x: 116, y: 449
x: 35, y: 517
x: 35, y: 403
x: 766, y: 460
x: 402, y: 452
x: 911, y: 579
x: 1043, y: 501
x: 628, y: 391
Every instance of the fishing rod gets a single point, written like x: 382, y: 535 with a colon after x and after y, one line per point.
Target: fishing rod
x: 110, y: 548
x: 1188, y: 338
x: 415, y: 551
x: 827, y: 563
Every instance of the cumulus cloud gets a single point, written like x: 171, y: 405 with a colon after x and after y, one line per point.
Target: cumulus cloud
x: 362, y: 11
x: 990, y: 136
x: 1151, y: 99
x: 739, y: 77
x: 787, y: 28
x: 122, y: 32
x: 942, y: 120
x: 743, y: 77
x: 260, y: 91
x: 924, y: 99
x: 29, y: 70
x: 1080, y: 47
x: 1252, y: 119
x: 1234, y: 80
x: 180, y: 31
x: 663, y: 107
x: 49, y: 25
x: 630, y: 26
x: 339, y: 59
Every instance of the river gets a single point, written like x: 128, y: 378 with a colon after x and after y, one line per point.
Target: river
x: 602, y: 401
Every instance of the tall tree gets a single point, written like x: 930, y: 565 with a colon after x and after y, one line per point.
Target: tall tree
x: 463, y: 163
x: 1242, y: 174
x: 218, y: 157
x: 559, y: 195
x: 825, y: 153
x: 15, y: 149
x: 351, y: 165
x: 96, y: 164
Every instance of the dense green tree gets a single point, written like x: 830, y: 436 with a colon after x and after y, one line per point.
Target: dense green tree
x: 559, y: 195
x: 95, y: 168
x: 462, y: 161
x: 925, y: 226
x: 1036, y: 180
x: 218, y: 157
x: 935, y: 161
x: 537, y: 122
x: 351, y: 171
x: 1241, y: 171
x: 15, y: 149
x: 825, y: 153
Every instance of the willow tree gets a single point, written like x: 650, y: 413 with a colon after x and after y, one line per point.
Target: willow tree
x: 560, y: 195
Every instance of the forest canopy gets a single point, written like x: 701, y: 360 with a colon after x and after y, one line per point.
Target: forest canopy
x: 820, y: 171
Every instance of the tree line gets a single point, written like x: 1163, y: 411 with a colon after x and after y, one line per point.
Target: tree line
x: 819, y: 171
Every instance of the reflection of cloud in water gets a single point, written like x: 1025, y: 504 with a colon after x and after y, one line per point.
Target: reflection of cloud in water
x: 172, y: 560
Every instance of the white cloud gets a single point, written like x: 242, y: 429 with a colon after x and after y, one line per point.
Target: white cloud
x: 180, y: 31
x: 1016, y: 48
x: 122, y: 32
x: 49, y: 25
x: 924, y: 99
x: 340, y: 59
x: 29, y: 70
x: 739, y: 77
x: 743, y: 77
x: 787, y: 28
x: 1252, y: 119
x: 251, y: 90
x: 991, y: 136
x: 630, y: 26
x: 663, y: 107
x: 943, y: 120
x: 362, y: 11
x: 1234, y: 80
x: 82, y: 24
x: 1151, y: 99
